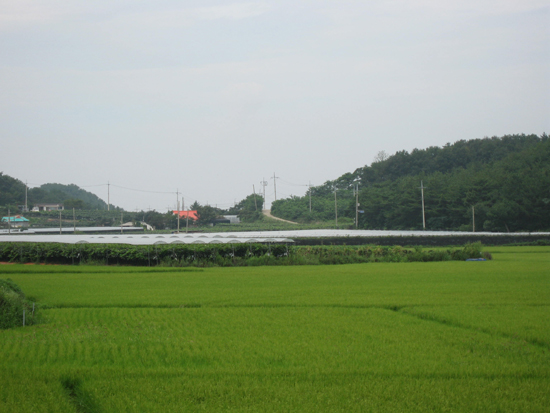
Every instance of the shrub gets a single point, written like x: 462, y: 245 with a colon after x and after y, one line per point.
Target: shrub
x: 12, y: 305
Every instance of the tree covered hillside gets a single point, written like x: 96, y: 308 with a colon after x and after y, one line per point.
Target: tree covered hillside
x: 506, y: 181
x: 12, y: 194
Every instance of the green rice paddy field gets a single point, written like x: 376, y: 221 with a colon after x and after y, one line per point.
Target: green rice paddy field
x: 386, y: 337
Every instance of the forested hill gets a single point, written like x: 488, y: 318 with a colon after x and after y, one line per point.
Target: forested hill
x: 505, y: 180
x: 12, y: 194
x: 461, y: 154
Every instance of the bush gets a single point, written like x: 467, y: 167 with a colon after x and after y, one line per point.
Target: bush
x: 12, y: 305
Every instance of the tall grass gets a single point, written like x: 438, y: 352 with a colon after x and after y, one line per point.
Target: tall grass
x: 15, y: 309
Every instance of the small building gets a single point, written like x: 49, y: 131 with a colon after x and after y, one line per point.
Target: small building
x: 48, y: 207
x: 233, y: 219
x: 16, y: 222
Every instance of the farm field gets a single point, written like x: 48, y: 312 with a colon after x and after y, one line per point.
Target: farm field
x: 383, y: 337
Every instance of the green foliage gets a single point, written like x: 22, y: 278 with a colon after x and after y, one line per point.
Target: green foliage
x: 223, y: 255
x: 249, y: 209
x: 12, y: 305
x: 207, y: 214
x: 74, y: 203
x: 12, y: 192
x: 505, y: 180
x: 59, y: 193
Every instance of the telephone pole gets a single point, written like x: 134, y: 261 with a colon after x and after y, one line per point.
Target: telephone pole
x: 178, y: 212
x: 275, y: 184
x: 108, y: 196
x: 263, y: 182
x: 473, y: 219
x: 335, y: 209
x: 422, y: 187
x: 356, y: 205
x: 255, y: 203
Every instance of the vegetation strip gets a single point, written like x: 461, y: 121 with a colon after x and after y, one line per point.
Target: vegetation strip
x: 225, y: 255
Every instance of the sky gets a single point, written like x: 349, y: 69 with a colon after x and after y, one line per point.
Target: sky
x: 206, y: 99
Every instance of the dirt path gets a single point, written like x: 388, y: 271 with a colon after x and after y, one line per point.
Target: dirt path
x: 267, y: 213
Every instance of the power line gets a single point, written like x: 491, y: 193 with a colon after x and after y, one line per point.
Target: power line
x: 290, y: 183
x: 143, y: 190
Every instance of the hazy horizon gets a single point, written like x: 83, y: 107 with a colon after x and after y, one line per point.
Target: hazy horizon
x: 210, y: 98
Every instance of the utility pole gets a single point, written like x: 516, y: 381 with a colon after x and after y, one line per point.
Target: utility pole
x: 335, y: 209
x: 178, y: 212
x: 9, y: 222
x: 275, y: 184
x: 60, y: 222
x: 26, y: 187
x: 74, y: 222
x: 108, y: 196
x: 121, y: 227
x: 255, y: 203
x: 356, y: 205
x: 473, y: 219
x: 422, y: 187
x: 264, y: 184
x: 187, y: 219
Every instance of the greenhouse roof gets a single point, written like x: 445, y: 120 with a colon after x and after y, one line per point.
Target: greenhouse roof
x: 228, y: 237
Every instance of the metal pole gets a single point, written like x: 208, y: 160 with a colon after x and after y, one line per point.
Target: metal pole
x: 178, y: 215
x: 423, y: 212
x: 356, y: 205
x: 264, y: 184
x: 74, y: 222
x: 121, y: 230
x: 335, y: 208
x: 60, y: 223
x: 9, y: 222
x: 26, y: 187
x: 473, y: 219
x: 108, y: 196
x: 255, y: 203
x: 187, y: 219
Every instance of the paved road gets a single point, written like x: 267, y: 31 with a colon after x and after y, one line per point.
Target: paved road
x: 267, y: 213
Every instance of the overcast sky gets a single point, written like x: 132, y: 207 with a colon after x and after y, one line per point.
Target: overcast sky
x: 211, y: 97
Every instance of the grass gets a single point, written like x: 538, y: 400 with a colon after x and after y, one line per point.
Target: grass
x: 441, y: 336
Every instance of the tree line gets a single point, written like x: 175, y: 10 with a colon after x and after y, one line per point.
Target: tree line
x: 90, y: 210
x: 498, y: 184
